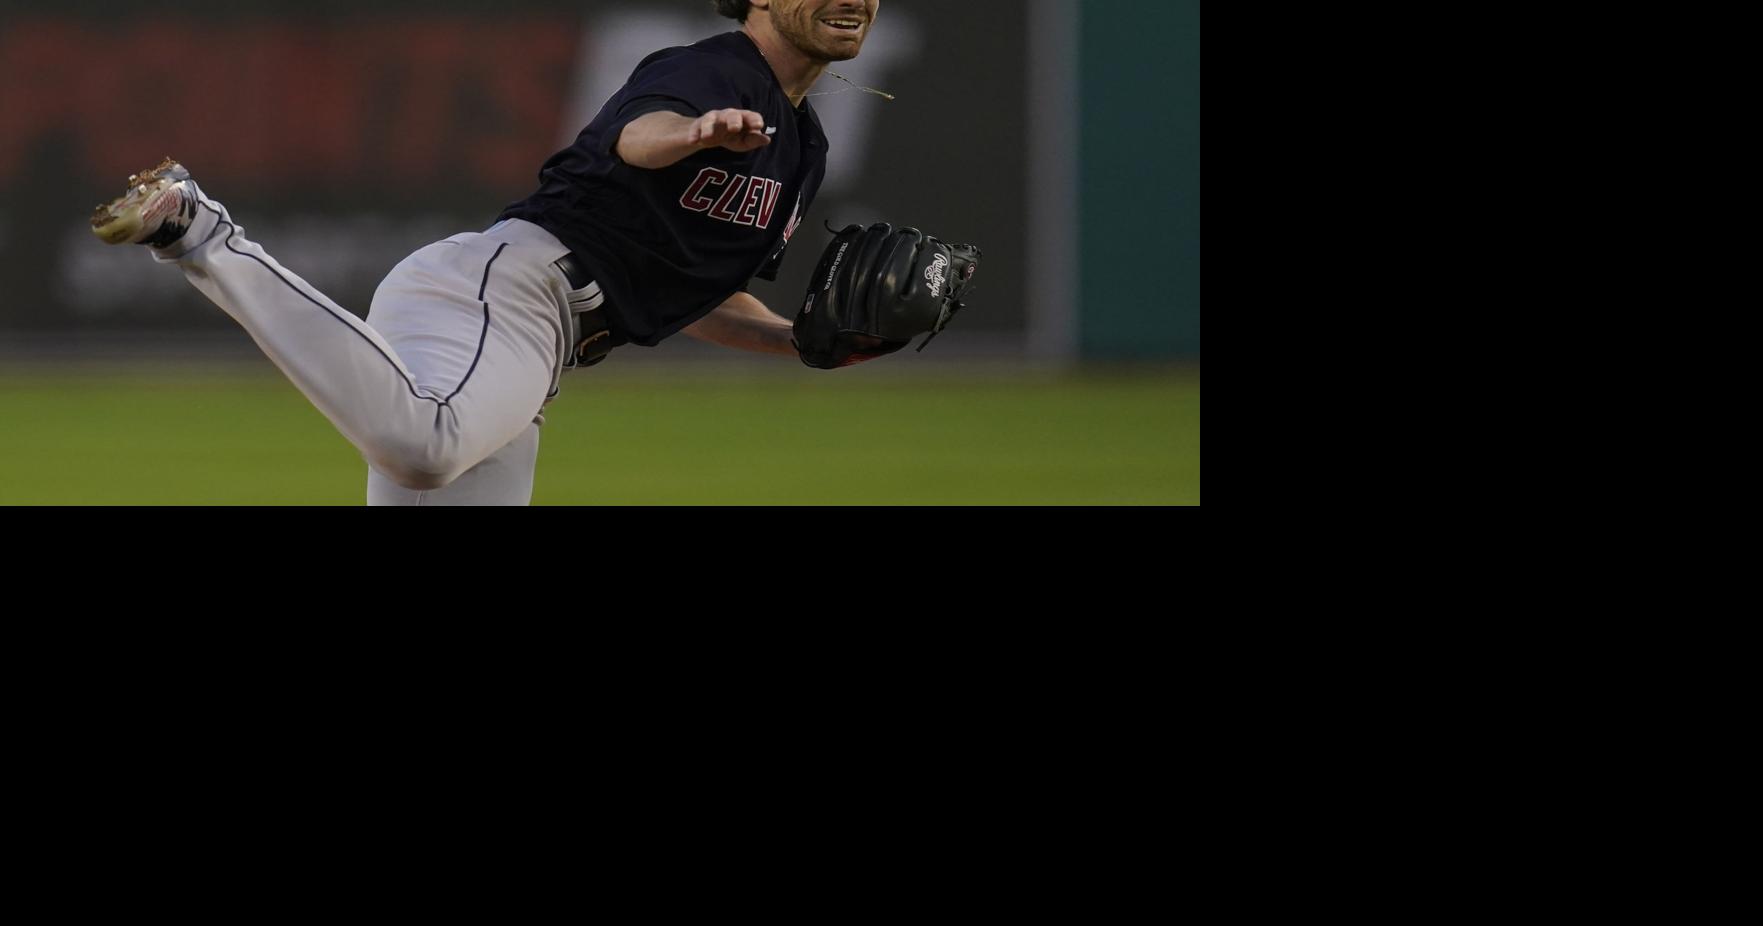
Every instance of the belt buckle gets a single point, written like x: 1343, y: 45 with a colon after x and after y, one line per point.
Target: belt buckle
x: 593, y: 349
x: 593, y: 337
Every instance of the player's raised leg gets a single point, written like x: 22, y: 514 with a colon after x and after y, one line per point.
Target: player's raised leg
x: 422, y: 413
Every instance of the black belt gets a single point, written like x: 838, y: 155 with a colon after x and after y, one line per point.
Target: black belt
x: 574, y: 271
x: 593, y: 339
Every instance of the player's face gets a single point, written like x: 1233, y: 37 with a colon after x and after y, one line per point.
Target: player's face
x: 826, y: 30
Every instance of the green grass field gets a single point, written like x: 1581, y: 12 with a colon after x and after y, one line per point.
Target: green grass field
x: 650, y: 437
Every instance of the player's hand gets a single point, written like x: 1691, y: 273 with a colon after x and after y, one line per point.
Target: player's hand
x: 735, y: 129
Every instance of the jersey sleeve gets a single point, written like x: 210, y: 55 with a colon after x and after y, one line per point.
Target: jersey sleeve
x: 684, y: 83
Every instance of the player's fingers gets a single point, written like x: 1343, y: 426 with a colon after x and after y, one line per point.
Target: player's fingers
x: 733, y: 121
x: 753, y: 123
x: 704, y: 130
x: 716, y: 128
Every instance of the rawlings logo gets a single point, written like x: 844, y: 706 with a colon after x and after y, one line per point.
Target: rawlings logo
x: 938, y: 273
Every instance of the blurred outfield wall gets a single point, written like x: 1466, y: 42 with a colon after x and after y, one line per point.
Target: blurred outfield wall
x: 346, y: 135
x: 1140, y: 188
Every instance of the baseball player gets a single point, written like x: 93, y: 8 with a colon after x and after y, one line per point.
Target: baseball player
x: 688, y: 184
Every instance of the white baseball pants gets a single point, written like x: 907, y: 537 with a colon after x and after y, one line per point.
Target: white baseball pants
x: 441, y: 388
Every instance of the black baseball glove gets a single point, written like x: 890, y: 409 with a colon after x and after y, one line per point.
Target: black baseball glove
x: 876, y: 289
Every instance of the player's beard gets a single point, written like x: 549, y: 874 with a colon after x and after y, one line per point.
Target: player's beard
x: 801, y: 26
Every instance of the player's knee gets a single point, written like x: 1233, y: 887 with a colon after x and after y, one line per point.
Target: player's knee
x: 418, y: 465
x: 419, y: 481
x: 415, y: 473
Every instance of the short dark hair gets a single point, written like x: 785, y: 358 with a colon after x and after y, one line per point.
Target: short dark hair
x: 733, y: 9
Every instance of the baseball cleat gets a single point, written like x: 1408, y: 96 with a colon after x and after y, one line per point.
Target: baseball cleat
x: 156, y: 211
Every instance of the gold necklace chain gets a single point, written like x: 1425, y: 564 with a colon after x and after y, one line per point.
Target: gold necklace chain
x: 885, y: 96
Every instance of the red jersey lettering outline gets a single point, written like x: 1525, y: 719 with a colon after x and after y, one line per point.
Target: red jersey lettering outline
x: 795, y: 220
x: 749, y: 213
x: 694, y: 199
x: 773, y: 190
x: 725, y: 207
x: 743, y: 200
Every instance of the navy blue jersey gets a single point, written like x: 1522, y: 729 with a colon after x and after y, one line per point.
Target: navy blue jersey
x: 668, y: 246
